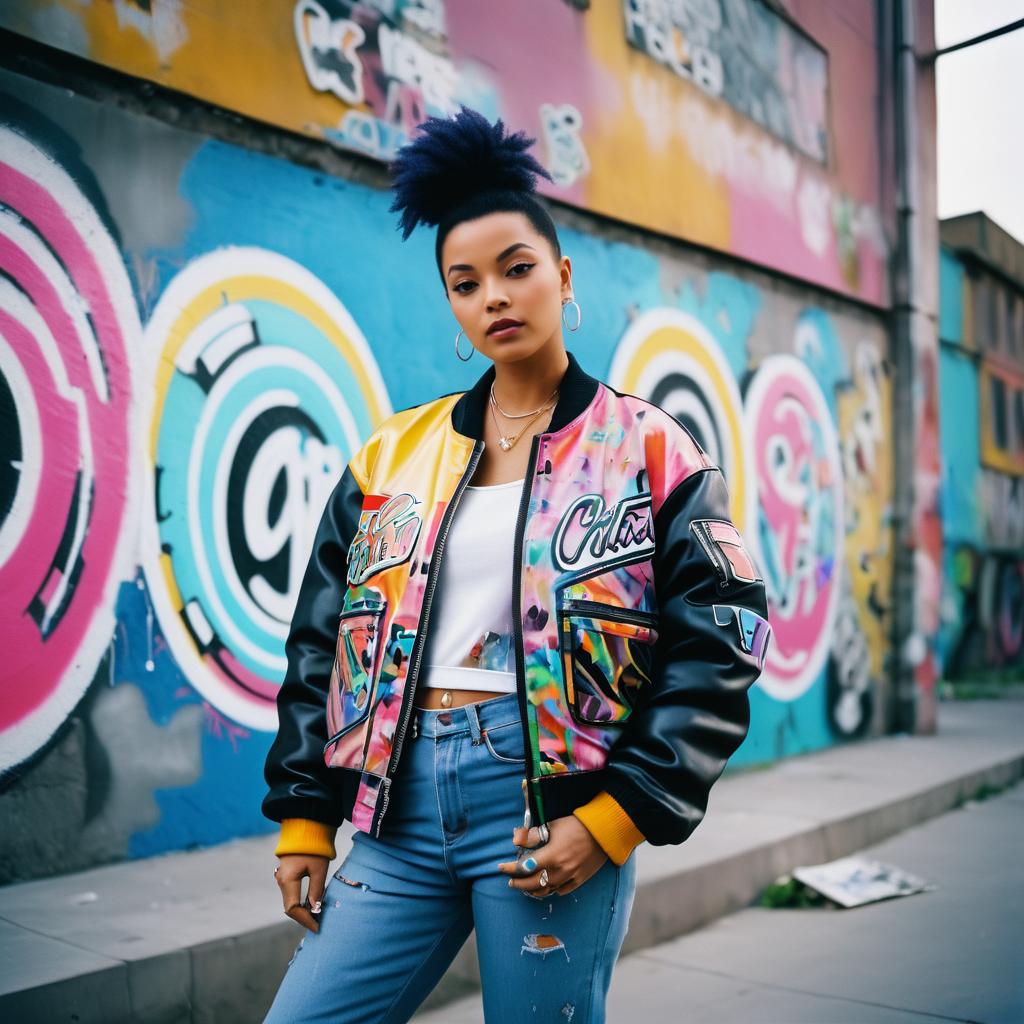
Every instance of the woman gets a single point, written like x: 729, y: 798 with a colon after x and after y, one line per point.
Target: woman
x: 523, y: 599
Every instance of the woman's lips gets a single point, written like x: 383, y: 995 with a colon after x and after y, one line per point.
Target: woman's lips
x: 506, y: 332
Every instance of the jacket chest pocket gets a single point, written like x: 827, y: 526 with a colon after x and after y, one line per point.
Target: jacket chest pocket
x: 607, y: 657
x: 354, y: 676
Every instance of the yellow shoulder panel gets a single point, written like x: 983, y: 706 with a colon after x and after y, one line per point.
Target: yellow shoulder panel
x: 401, y: 431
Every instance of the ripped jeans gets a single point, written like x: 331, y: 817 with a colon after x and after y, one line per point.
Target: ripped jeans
x: 401, y: 905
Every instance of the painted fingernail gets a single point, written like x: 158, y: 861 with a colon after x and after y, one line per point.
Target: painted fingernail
x: 510, y: 883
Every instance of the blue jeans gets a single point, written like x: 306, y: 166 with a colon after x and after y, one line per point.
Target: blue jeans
x: 401, y: 906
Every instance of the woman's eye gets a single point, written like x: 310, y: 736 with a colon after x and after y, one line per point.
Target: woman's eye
x: 471, y: 284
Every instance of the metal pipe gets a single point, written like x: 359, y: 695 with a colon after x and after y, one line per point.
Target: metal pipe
x: 930, y: 58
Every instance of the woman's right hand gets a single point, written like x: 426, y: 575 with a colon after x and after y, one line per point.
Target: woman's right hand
x: 289, y: 873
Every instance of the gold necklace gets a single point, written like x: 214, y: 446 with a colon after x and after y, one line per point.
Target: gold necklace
x: 507, y: 441
x: 518, y: 415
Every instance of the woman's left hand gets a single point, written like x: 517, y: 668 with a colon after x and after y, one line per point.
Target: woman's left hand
x: 571, y: 855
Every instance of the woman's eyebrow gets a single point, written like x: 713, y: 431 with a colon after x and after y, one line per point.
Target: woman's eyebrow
x: 497, y: 259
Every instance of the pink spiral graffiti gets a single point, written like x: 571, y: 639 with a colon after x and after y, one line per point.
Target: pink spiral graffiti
x: 799, y: 544
x: 67, y: 321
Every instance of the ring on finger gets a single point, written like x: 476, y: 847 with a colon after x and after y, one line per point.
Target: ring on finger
x: 543, y: 877
x: 527, y: 866
x: 545, y: 833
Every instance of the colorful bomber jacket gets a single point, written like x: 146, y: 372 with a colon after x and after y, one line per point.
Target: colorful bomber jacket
x: 639, y: 618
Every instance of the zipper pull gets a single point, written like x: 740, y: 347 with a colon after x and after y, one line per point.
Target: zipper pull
x: 524, y: 851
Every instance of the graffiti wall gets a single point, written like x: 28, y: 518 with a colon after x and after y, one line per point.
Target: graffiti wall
x: 194, y: 339
x: 982, y: 382
x: 747, y: 127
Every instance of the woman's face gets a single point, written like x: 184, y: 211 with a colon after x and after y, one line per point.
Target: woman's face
x: 498, y: 267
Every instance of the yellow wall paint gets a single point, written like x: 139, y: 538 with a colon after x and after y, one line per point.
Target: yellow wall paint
x: 868, y: 496
x: 250, y: 64
x: 658, y: 182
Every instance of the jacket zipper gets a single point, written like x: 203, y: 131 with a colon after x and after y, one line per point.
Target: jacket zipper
x: 417, y: 652
x: 517, y: 627
x: 611, y: 612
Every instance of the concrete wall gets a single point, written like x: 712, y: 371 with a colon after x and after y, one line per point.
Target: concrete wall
x: 165, y: 531
x: 200, y: 320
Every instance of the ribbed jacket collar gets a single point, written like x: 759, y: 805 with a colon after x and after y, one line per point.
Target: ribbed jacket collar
x: 576, y: 391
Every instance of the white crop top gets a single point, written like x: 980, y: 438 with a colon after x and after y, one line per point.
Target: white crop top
x: 469, y: 634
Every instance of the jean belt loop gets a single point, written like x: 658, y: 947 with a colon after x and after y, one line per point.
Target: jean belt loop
x: 474, y: 722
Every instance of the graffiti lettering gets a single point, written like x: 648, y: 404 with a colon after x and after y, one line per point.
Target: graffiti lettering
x: 987, y: 590
x: 386, y: 537
x: 368, y: 134
x: 410, y: 62
x: 567, y: 157
x: 589, y: 535
x: 328, y: 51
x: 741, y: 52
x: 851, y: 688
x: 800, y: 534
x: 1002, y: 509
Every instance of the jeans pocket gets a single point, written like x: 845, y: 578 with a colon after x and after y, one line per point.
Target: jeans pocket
x: 505, y: 743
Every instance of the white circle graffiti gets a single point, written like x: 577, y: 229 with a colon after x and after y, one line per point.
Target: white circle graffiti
x: 670, y: 358
x: 263, y: 387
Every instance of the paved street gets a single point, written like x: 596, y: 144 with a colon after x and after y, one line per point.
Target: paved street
x: 955, y: 954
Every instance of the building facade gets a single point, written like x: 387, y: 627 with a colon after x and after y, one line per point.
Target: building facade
x: 982, y: 384
x: 205, y: 307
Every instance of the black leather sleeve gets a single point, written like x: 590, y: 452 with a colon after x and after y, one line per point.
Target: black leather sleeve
x: 298, y: 779
x: 712, y: 637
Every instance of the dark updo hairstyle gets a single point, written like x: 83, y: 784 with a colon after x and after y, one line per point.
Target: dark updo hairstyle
x: 461, y: 168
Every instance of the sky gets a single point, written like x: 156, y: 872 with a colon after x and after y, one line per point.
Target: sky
x: 980, y: 93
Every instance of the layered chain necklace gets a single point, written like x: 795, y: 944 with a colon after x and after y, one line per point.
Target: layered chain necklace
x: 506, y: 441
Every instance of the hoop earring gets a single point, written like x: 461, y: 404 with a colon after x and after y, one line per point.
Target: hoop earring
x: 465, y: 359
x: 579, y: 314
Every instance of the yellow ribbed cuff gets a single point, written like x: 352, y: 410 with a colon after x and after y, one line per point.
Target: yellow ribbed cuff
x: 299, y: 835
x: 611, y: 826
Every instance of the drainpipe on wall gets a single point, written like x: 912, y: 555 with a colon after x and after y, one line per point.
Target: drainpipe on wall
x: 917, y: 568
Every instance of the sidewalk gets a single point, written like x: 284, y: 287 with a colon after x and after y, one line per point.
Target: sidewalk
x: 200, y: 936
x: 951, y: 954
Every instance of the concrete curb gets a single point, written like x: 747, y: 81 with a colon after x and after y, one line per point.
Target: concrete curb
x: 669, y: 907
x: 199, y: 936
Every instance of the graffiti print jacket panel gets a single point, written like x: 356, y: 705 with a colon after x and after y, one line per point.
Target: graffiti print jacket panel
x: 640, y: 620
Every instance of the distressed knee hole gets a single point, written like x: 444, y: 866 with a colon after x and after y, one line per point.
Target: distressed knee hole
x: 540, y: 944
x: 348, y: 881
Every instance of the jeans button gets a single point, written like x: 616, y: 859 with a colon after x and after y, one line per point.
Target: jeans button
x: 445, y: 718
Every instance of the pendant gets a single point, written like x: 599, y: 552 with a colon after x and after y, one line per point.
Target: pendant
x: 505, y: 443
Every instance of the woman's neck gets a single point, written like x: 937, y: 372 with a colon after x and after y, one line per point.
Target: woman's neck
x: 528, y: 384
